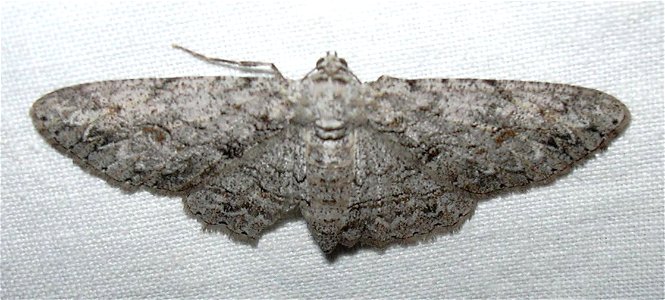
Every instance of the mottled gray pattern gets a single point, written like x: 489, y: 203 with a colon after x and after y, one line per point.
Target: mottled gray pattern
x: 371, y: 163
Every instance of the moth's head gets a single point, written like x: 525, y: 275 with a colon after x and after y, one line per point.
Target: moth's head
x: 331, y: 63
x: 332, y: 67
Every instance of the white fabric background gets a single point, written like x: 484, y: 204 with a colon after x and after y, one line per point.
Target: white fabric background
x: 598, y: 232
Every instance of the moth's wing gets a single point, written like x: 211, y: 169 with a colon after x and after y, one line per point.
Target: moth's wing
x: 488, y: 135
x: 396, y: 200
x: 255, y: 192
x: 165, y: 134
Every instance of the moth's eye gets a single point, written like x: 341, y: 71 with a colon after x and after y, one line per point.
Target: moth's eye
x: 319, y: 62
x: 343, y: 61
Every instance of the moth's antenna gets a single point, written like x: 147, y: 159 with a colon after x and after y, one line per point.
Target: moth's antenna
x: 251, y: 65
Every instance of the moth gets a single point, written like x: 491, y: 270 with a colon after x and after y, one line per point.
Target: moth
x: 364, y: 163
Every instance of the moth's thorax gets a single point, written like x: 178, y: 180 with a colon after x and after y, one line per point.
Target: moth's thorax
x: 330, y: 98
x: 331, y: 107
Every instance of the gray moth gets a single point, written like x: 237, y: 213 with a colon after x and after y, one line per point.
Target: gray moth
x: 364, y: 163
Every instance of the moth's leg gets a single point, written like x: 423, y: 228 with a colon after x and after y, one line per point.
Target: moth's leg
x: 241, y: 64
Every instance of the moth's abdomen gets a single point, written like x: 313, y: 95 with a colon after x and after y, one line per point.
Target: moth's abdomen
x: 330, y: 174
x: 330, y: 129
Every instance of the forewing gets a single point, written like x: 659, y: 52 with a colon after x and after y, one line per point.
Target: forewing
x: 487, y: 135
x: 165, y: 134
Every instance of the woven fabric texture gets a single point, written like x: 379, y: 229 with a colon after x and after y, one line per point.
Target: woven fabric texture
x: 597, y: 232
